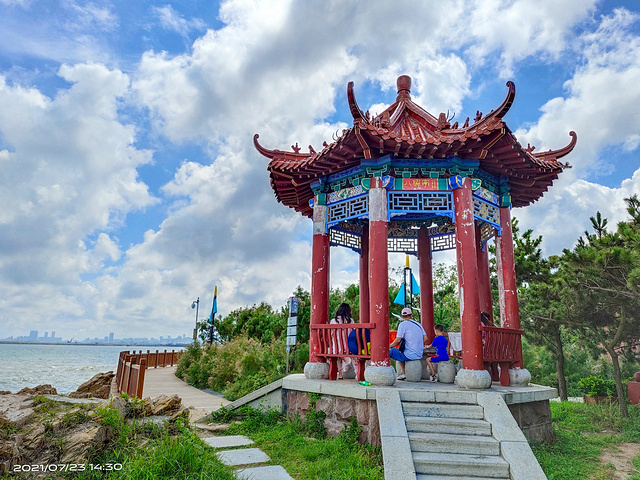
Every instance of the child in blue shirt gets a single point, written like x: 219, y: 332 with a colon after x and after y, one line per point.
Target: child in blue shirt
x: 440, y: 343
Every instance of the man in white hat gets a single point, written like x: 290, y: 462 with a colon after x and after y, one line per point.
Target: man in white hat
x: 414, y: 339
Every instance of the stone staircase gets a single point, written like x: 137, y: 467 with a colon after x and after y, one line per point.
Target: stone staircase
x: 452, y: 441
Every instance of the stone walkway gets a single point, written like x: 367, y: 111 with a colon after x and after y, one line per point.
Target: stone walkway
x: 250, y: 460
x: 163, y: 381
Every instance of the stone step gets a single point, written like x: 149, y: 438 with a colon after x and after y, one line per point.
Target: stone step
x: 448, y: 443
x: 444, y: 410
x: 457, y: 426
x: 461, y: 396
x: 475, y: 466
x: 449, y: 477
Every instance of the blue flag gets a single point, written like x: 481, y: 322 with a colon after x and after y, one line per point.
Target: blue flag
x: 214, y: 309
x: 400, y: 298
x: 414, y: 285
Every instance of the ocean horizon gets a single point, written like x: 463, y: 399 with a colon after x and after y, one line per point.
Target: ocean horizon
x: 64, y: 366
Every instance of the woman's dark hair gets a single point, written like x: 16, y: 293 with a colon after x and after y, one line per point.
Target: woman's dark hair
x: 344, y: 311
x: 485, y: 318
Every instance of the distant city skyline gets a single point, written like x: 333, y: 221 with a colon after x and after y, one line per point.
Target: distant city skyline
x: 110, y: 339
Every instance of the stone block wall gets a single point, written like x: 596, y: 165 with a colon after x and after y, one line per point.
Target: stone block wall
x: 534, y: 419
x: 339, y: 411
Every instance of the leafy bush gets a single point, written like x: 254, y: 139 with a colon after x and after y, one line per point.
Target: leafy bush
x: 598, y: 386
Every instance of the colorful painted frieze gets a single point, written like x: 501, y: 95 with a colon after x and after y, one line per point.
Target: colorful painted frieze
x: 344, y: 194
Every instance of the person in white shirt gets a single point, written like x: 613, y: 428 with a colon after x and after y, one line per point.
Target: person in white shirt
x: 414, y: 340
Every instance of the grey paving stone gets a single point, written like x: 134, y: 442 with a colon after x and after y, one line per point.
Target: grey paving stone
x: 243, y: 456
x: 271, y: 472
x: 230, y: 441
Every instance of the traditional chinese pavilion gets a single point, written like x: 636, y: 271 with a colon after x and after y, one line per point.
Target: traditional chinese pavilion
x: 407, y: 181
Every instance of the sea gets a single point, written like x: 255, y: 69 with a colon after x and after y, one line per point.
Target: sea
x: 65, y: 367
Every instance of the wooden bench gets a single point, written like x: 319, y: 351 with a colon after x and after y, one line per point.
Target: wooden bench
x: 332, y: 344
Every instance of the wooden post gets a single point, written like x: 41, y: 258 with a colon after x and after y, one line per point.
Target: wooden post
x: 364, y: 276
x: 507, y: 287
x: 319, y: 276
x: 140, y: 385
x: 467, y: 274
x: 484, y: 278
x: 425, y: 273
x: 378, y: 274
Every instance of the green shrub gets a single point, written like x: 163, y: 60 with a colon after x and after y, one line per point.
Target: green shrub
x: 598, y: 386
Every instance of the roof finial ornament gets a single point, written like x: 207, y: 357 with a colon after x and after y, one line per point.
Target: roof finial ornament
x: 311, y: 150
x: 295, y: 148
x: 404, y: 87
x: 530, y: 148
x: 478, y: 116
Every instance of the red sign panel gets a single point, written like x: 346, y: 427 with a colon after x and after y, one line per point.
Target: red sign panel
x: 420, y: 184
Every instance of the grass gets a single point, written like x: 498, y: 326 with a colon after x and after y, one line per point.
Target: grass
x: 583, y: 433
x: 303, y: 449
x: 149, y: 452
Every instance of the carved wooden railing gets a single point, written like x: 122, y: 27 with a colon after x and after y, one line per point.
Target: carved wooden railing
x: 501, y: 346
x: 332, y: 343
x: 132, y: 366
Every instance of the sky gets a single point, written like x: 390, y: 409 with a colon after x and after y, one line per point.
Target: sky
x: 129, y: 184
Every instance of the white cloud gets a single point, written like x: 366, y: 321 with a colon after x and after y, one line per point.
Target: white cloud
x: 70, y: 171
x: 277, y: 68
x: 518, y: 29
x: 170, y: 19
x: 601, y: 107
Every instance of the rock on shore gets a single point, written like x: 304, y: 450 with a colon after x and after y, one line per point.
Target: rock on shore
x: 35, y: 429
x: 98, y: 386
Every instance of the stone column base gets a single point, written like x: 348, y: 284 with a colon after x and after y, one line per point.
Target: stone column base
x: 475, y: 379
x: 380, y: 375
x: 316, y: 370
x: 519, y: 377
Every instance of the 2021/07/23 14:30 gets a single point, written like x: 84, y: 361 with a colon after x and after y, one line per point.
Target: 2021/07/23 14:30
x: 67, y: 467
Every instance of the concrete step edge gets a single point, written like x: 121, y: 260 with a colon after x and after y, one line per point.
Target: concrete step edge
x: 426, y: 476
x: 447, y: 425
x: 455, y: 458
x: 436, y: 410
x: 460, y: 464
x: 452, y: 443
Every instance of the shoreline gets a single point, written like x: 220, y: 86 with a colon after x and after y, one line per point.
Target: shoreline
x: 14, y: 342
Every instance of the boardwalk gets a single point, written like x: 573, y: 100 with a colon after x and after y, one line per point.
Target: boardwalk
x: 162, y: 381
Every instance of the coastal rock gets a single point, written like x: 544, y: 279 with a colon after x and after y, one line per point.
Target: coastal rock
x: 183, y: 412
x: 98, y: 386
x: 5, y: 392
x: 79, y: 443
x: 39, y: 390
x: 15, y: 409
x: 164, y: 405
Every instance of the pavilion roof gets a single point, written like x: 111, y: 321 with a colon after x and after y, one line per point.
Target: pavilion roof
x: 407, y: 130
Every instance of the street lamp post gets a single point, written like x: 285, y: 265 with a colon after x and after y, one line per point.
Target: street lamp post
x: 196, y: 305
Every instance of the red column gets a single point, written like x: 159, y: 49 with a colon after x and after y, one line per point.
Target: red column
x: 378, y: 274
x: 467, y: 274
x: 319, y: 276
x: 484, y: 278
x: 507, y: 287
x: 425, y: 273
x: 364, y: 276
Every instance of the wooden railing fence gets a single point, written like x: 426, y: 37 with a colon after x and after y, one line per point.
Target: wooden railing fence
x: 332, y: 343
x: 501, y: 346
x: 132, y: 366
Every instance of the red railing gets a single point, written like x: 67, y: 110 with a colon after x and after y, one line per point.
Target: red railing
x: 132, y: 366
x: 332, y: 343
x: 501, y: 346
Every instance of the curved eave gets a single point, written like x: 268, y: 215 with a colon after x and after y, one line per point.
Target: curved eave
x: 555, y: 154
x: 279, y: 154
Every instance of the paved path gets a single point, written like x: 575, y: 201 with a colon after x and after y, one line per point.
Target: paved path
x: 163, y: 381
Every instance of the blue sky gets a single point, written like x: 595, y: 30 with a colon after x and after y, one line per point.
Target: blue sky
x: 128, y: 181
